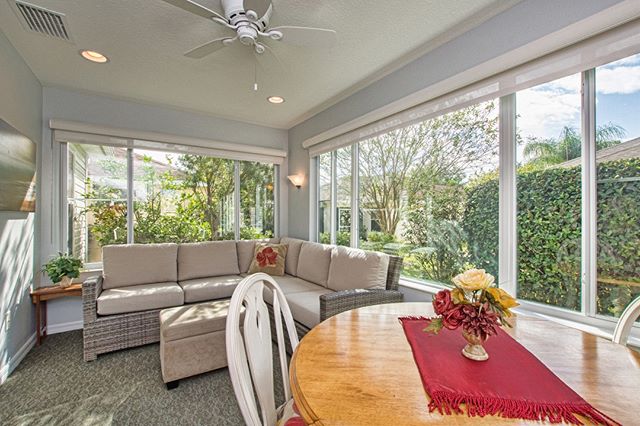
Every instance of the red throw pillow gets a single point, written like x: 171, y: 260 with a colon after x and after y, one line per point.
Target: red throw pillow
x: 269, y: 258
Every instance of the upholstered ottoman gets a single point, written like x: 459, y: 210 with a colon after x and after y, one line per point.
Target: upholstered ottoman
x: 192, y: 340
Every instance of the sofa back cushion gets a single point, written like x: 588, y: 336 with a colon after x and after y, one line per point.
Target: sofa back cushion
x: 313, y: 263
x: 134, y: 264
x: 208, y: 259
x: 353, y: 268
x: 293, y: 254
x: 246, y: 249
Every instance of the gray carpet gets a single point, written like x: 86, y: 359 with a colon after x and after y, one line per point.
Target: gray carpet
x: 53, y: 385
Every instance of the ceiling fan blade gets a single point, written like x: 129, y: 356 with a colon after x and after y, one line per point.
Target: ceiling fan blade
x: 207, y: 48
x: 260, y: 7
x: 195, y: 8
x: 304, y: 36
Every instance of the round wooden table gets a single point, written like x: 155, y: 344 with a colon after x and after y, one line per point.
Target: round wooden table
x: 357, y: 368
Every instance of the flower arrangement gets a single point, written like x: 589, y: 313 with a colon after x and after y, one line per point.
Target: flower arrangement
x: 474, y: 304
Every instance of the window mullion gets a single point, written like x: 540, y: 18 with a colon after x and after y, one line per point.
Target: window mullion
x: 236, y: 199
x: 276, y: 201
x: 355, y: 195
x: 507, y: 228
x: 130, y: 212
x: 64, y: 199
x: 334, y: 196
x: 589, y: 213
x: 314, y: 197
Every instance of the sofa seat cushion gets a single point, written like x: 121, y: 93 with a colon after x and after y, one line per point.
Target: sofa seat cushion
x: 133, y: 264
x: 143, y: 297
x: 313, y: 263
x: 289, y: 284
x: 354, y: 268
x: 293, y: 254
x: 193, y: 320
x: 210, y: 288
x: 208, y: 259
x: 305, y: 306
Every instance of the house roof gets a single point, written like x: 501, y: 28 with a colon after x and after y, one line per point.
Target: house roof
x: 623, y: 151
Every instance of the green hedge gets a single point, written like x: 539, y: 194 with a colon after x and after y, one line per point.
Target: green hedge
x: 549, y: 233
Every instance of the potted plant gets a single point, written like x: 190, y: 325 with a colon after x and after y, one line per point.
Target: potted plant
x: 62, y: 269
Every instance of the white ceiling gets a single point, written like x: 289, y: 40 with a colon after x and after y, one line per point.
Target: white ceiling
x: 145, y: 41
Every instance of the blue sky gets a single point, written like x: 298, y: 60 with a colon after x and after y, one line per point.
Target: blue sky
x: 544, y: 110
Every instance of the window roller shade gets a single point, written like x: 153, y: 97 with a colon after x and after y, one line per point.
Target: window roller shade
x: 598, y: 50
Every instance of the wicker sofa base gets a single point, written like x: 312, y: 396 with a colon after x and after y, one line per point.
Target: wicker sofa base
x: 112, y: 333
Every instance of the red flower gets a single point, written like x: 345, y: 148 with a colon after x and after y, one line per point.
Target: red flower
x: 267, y: 257
x: 442, y: 302
x: 479, y: 320
x: 453, y: 318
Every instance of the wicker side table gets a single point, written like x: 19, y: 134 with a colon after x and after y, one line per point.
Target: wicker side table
x: 39, y: 298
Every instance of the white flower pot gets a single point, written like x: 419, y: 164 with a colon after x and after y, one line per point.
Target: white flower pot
x: 65, y: 282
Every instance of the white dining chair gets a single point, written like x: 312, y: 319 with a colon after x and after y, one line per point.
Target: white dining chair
x: 625, y: 323
x: 249, y: 351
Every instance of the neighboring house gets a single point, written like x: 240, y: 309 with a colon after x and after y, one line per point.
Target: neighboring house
x: 623, y: 151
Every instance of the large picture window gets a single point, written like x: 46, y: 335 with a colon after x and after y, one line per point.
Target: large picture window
x: 175, y: 198
x: 549, y: 200
x: 96, y: 199
x: 618, y: 185
x: 551, y: 207
x: 428, y: 192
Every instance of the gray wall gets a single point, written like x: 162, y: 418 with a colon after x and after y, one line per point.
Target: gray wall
x: 20, y: 106
x: 65, y: 314
x: 512, y: 29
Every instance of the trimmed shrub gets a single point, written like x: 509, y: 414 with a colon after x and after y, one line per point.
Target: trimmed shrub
x: 549, y: 233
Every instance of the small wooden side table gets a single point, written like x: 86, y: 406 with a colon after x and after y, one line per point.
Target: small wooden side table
x: 39, y: 298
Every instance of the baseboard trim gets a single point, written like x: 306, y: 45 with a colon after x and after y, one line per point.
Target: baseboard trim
x: 13, y: 362
x: 65, y: 326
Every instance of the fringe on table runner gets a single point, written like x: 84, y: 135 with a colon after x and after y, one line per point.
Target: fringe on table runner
x: 449, y: 402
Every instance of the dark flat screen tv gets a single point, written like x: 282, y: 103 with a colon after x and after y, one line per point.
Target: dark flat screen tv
x: 17, y: 170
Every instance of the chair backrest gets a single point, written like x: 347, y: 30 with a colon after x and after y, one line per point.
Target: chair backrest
x: 625, y: 323
x: 249, y: 348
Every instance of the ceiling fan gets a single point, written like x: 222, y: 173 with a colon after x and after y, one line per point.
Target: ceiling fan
x: 249, y: 19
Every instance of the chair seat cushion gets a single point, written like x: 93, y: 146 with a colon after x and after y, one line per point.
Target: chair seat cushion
x: 142, y: 297
x: 210, y: 288
x: 305, y: 306
x: 193, y: 320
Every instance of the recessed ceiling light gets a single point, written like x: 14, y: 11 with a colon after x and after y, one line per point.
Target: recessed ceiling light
x: 94, y: 56
x: 275, y: 99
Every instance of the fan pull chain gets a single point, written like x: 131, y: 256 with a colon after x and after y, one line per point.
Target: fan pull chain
x: 255, y: 77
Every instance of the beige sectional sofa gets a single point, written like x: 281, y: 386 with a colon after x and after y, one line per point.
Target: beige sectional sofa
x: 121, y: 307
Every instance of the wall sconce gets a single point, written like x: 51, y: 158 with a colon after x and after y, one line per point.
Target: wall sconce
x: 296, y: 180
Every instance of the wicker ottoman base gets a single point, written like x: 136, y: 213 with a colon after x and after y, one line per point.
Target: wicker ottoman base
x: 192, y: 340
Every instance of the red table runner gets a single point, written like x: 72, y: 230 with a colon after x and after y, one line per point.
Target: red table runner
x: 512, y: 383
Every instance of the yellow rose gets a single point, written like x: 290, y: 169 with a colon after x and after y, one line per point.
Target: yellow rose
x: 473, y: 279
x: 503, y: 298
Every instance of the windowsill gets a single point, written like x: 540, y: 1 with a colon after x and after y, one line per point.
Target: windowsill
x: 598, y: 326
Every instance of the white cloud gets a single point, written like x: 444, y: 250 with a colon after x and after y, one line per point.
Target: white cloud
x: 619, y: 80
x: 544, y: 110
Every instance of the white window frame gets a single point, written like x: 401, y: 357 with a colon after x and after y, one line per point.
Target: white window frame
x: 508, y: 262
x: 63, y: 138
